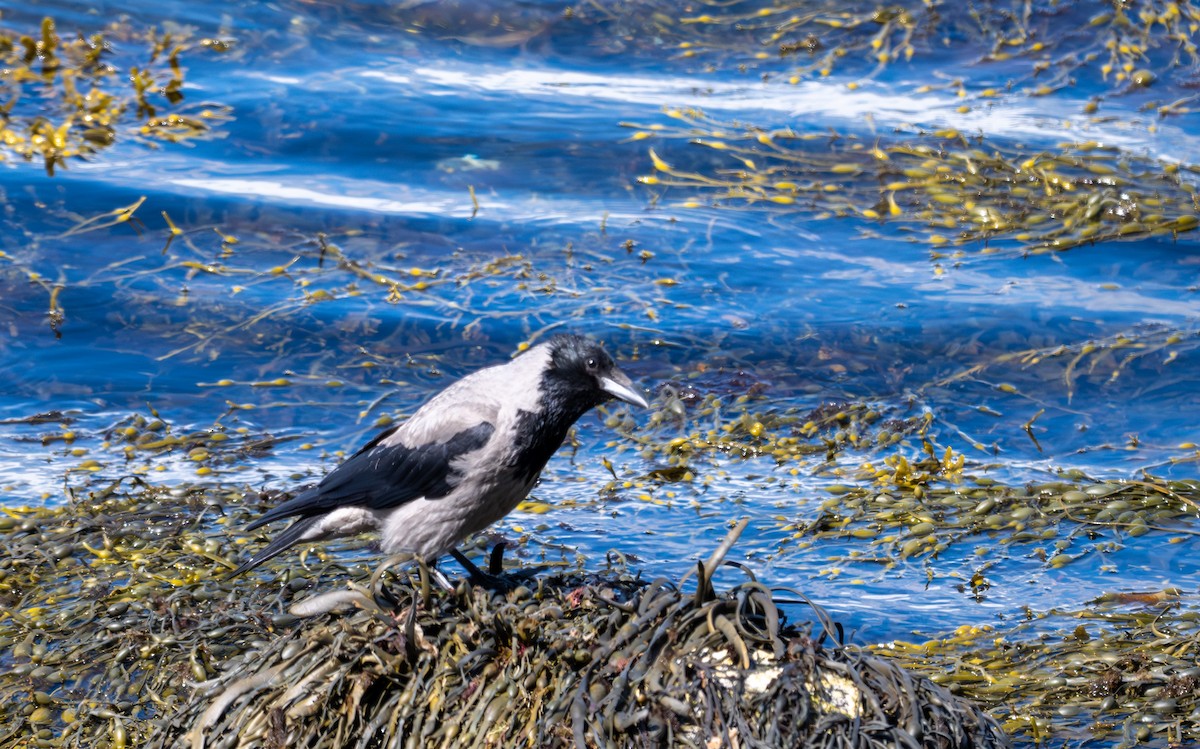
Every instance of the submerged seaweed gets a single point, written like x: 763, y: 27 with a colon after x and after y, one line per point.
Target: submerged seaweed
x: 67, y: 98
x: 1003, y: 47
x: 941, y: 188
x: 912, y: 511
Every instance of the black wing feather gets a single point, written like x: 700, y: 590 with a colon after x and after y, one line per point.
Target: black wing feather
x: 384, y: 476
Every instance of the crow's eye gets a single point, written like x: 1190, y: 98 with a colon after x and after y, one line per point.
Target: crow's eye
x: 591, y: 363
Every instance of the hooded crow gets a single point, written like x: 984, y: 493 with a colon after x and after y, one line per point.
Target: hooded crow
x: 460, y: 463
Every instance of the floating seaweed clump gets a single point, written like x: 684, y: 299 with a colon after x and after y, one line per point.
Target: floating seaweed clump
x: 1040, y: 47
x: 1102, y: 359
x: 67, y: 98
x: 941, y: 188
x: 923, y: 507
x: 120, y: 628
x: 735, y: 428
x: 1125, y: 666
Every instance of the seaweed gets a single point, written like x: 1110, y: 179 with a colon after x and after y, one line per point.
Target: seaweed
x: 67, y: 98
x: 121, y: 628
x: 1122, y: 669
x: 1001, y: 48
x: 941, y: 189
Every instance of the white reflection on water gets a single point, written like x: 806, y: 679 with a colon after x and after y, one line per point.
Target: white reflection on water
x: 455, y: 205
x: 821, y: 101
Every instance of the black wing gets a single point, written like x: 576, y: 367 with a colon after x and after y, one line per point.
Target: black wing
x: 384, y: 476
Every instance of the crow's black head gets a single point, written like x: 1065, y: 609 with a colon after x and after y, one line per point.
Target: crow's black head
x: 581, y: 375
x: 578, y: 375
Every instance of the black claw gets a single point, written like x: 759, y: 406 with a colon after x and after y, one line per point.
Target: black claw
x: 496, y: 559
x: 486, y: 580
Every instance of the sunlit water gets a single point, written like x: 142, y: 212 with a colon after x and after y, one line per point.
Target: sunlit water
x: 348, y: 126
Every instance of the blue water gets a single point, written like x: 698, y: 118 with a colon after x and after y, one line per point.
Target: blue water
x: 355, y: 122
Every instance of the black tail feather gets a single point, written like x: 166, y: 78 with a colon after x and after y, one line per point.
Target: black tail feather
x: 278, y: 545
x: 297, y: 505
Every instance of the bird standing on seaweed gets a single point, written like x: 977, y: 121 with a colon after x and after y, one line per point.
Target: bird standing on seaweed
x: 461, y: 462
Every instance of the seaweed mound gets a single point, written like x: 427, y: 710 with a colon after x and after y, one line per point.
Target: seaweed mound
x: 578, y: 660
x: 121, y: 628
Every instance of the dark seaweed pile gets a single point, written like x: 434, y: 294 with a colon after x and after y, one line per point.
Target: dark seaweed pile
x: 123, y: 629
x: 576, y: 660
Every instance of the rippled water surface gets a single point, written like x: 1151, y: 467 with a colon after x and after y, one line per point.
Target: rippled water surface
x: 403, y: 194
